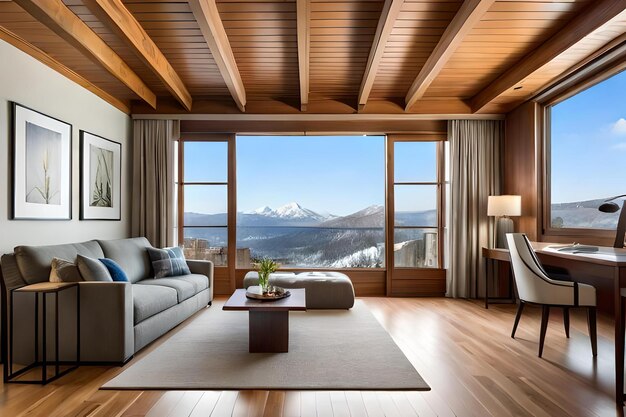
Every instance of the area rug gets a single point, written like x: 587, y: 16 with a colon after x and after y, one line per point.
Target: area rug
x: 328, y: 350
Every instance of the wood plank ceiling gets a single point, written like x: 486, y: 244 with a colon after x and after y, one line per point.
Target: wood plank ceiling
x: 318, y: 56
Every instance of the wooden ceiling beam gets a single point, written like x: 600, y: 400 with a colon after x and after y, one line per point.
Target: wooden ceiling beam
x: 388, y: 16
x: 56, y: 16
x: 468, y: 15
x: 41, y: 56
x: 120, y: 20
x: 303, y: 17
x: 212, y: 28
x: 588, y: 20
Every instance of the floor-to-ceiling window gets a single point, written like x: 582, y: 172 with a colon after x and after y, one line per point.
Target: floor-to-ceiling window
x: 203, y: 192
x: 311, y: 201
x: 416, y: 187
x: 364, y: 203
x: 586, y: 150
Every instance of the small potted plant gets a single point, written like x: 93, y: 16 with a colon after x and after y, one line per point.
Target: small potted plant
x: 265, y: 267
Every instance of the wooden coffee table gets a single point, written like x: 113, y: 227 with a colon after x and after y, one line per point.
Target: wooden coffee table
x: 268, y: 320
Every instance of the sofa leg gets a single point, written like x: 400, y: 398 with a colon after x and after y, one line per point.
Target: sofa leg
x: 210, y: 303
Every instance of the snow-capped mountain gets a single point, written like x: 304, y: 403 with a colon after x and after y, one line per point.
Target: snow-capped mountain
x: 296, y: 211
x: 263, y: 211
x: 372, y: 216
x: 291, y: 211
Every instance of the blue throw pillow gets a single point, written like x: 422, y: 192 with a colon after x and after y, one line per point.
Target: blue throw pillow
x: 168, y: 262
x: 116, y: 271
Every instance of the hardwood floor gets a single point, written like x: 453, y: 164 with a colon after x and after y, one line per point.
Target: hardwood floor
x: 462, y: 350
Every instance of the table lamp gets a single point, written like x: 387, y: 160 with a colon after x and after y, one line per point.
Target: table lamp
x: 502, y: 207
x: 610, y: 207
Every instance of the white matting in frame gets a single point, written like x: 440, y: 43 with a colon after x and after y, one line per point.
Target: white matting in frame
x: 100, y: 178
x: 41, y: 166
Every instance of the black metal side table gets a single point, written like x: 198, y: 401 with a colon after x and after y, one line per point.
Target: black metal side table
x: 44, y: 289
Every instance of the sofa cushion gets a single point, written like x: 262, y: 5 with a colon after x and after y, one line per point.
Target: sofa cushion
x: 200, y: 282
x: 168, y: 262
x: 34, y: 262
x: 92, y: 269
x: 186, y: 286
x: 63, y: 270
x: 131, y: 255
x: 149, y: 300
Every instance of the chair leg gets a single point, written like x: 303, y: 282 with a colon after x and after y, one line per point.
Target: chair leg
x: 593, y: 333
x: 545, y: 317
x: 566, y: 320
x: 520, y: 308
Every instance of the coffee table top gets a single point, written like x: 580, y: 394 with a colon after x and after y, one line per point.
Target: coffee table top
x: 239, y: 302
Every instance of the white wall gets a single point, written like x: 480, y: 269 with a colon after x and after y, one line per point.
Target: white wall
x: 32, y: 84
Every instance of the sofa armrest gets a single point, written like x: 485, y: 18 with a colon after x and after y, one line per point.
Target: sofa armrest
x: 106, y: 321
x: 204, y: 268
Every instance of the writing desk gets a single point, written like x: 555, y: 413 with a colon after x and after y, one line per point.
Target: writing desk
x: 491, y: 255
x: 605, y: 270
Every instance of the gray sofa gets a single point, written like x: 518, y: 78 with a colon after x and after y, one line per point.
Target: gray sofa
x: 117, y: 319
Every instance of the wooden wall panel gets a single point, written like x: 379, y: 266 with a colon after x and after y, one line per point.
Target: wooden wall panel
x: 416, y: 282
x: 413, y: 288
x: 318, y: 126
x: 521, y: 169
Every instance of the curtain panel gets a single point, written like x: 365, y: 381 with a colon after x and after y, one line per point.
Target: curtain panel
x: 475, y: 174
x: 154, y: 211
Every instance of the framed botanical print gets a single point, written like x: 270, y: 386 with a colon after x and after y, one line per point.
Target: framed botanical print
x: 100, y: 178
x: 41, y: 166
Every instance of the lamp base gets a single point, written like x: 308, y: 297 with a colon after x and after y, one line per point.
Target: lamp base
x: 503, y: 226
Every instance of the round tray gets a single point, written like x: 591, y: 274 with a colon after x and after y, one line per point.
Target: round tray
x: 255, y: 293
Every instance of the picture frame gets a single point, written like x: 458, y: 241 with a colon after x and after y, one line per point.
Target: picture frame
x: 41, y: 166
x: 100, y: 177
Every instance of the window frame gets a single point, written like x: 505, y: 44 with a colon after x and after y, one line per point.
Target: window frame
x: 440, y: 183
x: 563, y: 91
x: 394, y: 281
x: 229, y: 183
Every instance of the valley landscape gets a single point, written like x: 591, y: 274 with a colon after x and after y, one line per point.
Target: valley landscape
x: 296, y: 236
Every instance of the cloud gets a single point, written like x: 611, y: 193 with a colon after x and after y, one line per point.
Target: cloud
x: 619, y: 127
x: 619, y: 146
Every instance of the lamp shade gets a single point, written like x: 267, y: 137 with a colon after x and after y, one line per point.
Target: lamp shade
x: 504, y: 205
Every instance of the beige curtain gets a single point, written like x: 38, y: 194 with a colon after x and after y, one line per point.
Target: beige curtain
x: 474, y: 175
x: 154, y: 214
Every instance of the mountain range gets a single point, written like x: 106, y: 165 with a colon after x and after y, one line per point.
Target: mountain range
x: 583, y: 214
x: 294, y: 215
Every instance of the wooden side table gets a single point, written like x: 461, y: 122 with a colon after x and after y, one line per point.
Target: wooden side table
x: 491, y: 256
x: 44, y: 289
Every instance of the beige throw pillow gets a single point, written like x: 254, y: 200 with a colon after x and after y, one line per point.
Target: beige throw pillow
x: 64, y: 271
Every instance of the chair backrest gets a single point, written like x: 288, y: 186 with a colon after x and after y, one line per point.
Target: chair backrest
x: 533, y: 284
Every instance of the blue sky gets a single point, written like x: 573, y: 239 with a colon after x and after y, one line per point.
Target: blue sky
x: 589, y: 143
x: 335, y: 174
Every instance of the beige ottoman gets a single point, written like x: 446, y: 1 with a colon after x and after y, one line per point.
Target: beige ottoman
x: 324, y: 290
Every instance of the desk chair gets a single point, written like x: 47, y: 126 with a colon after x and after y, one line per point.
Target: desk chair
x: 534, y: 286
